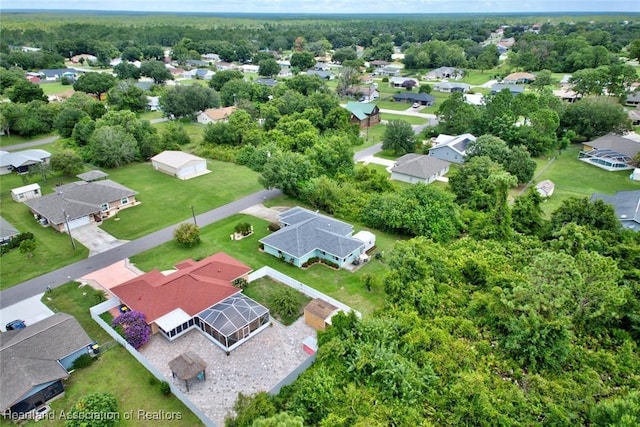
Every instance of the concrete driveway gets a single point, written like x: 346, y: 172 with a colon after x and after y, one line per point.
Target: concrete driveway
x: 31, y: 310
x: 95, y: 239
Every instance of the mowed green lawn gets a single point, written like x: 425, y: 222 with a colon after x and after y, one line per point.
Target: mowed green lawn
x: 412, y: 120
x: 53, y: 249
x: 166, y: 200
x: 573, y: 178
x: 342, y: 285
x: 115, y: 371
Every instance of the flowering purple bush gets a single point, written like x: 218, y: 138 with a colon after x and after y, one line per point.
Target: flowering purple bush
x: 134, y: 325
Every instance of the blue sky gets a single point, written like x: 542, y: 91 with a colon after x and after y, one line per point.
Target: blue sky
x: 337, y: 6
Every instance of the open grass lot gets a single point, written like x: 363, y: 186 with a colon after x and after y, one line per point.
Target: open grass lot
x: 115, y: 371
x: 265, y: 289
x: 341, y: 285
x: 53, y: 88
x: 478, y: 77
x: 167, y: 200
x: 371, y: 136
x: 193, y: 129
x: 150, y: 115
x: 412, y: 120
x: 389, y: 104
x: 53, y: 249
x: 574, y: 178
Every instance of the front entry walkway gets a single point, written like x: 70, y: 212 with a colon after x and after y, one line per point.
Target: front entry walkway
x: 95, y: 239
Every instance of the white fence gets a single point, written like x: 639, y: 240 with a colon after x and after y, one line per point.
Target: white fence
x: 299, y: 286
x: 97, y: 310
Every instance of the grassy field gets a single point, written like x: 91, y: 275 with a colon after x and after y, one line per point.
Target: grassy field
x: 194, y: 130
x: 412, y: 120
x: 265, y: 289
x: 574, y: 178
x: 53, y: 249
x: 53, y: 88
x: 115, y: 371
x: 167, y: 200
x: 390, y: 104
x: 341, y: 285
x: 477, y: 77
x: 150, y: 115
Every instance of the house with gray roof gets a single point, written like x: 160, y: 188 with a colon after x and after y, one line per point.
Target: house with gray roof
x: 444, y: 73
x: 7, y: 231
x: 420, y: 98
x: 323, y: 74
x: 514, y: 89
x: 633, y: 99
x: 415, y: 168
x: 22, y: 161
x: 626, y: 204
x: 35, y: 360
x: 450, y: 87
x: 80, y: 203
x: 610, y: 152
x: 451, y: 148
x: 306, y: 235
x: 53, y: 74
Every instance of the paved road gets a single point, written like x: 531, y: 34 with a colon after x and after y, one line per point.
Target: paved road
x: 16, y: 147
x: 58, y: 277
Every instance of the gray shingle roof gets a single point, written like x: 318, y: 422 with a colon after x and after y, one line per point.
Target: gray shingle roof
x: 616, y: 143
x: 419, y: 165
x: 306, y: 231
x: 7, y: 230
x: 626, y: 205
x: 24, y: 157
x: 29, y: 357
x: 93, y: 175
x: 78, y: 199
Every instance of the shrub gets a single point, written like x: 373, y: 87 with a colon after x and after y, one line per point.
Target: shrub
x: 165, y: 388
x: 385, y: 80
x: 243, y: 228
x: 136, y: 330
x: 283, y: 301
x: 240, y: 283
x: 90, y: 407
x: 187, y: 234
x: 274, y: 226
x: 83, y: 361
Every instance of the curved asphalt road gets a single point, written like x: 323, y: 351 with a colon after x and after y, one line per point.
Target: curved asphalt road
x: 58, y: 277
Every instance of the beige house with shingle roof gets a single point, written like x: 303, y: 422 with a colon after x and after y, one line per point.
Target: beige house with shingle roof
x: 213, y: 115
x: 418, y: 168
x: 179, y: 164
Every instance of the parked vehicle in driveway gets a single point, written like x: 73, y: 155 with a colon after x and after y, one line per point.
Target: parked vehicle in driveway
x: 416, y: 105
x: 15, y: 324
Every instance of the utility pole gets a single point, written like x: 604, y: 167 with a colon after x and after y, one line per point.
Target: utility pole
x: 193, y: 213
x: 66, y: 222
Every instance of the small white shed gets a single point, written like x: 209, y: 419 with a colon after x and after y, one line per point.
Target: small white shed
x: 635, y: 175
x: 27, y: 192
x: 179, y: 164
x: 366, y: 237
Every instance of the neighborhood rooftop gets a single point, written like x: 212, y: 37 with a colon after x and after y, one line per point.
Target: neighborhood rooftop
x: 419, y: 165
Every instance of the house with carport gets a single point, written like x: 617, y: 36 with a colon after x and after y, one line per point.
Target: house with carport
x: 179, y: 164
x: 198, y: 295
x: 81, y: 203
x: 22, y: 161
x: 308, y: 236
x: 36, y: 360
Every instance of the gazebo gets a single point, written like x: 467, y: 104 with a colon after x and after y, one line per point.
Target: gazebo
x: 188, y: 366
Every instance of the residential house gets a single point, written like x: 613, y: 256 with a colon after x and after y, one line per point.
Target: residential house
x: 321, y: 66
x: 201, y: 296
x: 378, y: 63
x: 153, y: 103
x: 545, y: 188
x: 83, y: 58
x: 26, y: 192
x: 306, y: 236
x: 223, y: 66
x: 514, y: 89
x: 324, y: 75
x: 266, y: 81
x: 179, y: 164
x: 412, y: 98
x: 474, y: 98
x: 363, y: 93
x: 366, y: 79
x: 610, y: 152
x: 450, y: 87
x: 7, y: 231
x: 364, y: 114
x: 626, y: 204
x: 403, y: 82
x: 451, y: 148
x: 22, y: 161
x: 388, y: 71
x: 211, y: 57
x: 249, y: 68
x: 519, y: 78
x: 34, y: 79
x: 633, y: 99
x: 634, y: 116
x: 415, y: 168
x: 54, y: 74
x: 196, y: 63
x: 444, y: 73
x: 37, y: 359
x: 80, y: 203
x: 213, y: 115
x: 567, y: 95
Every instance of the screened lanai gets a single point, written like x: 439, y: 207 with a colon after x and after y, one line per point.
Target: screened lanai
x: 606, y: 159
x: 233, y: 321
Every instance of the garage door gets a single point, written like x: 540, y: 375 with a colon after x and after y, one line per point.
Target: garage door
x: 187, y: 171
x: 79, y: 222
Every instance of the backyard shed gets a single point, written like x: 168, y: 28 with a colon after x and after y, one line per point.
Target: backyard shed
x: 635, y: 175
x: 188, y: 366
x: 545, y: 188
x: 27, y: 192
x: 366, y: 237
x: 318, y: 313
x: 179, y: 164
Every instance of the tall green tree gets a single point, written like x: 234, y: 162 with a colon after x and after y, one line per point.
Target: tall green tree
x: 399, y: 137
x: 95, y: 83
x: 155, y: 70
x: 23, y: 91
x: 187, y: 100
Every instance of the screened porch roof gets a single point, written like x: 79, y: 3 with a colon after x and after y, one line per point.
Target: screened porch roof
x: 172, y: 319
x: 232, y: 314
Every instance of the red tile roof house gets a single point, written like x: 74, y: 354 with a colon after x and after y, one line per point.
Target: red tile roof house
x: 200, y: 295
